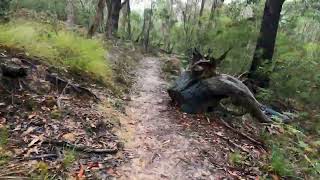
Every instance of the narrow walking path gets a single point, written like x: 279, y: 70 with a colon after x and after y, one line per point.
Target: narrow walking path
x: 159, y: 150
x: 159, y: 146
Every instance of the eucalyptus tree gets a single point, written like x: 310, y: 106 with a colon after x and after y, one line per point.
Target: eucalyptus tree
x: 263, y: 53
x: 70, y: 11
x: 98, y: 17
x: 114, y: 8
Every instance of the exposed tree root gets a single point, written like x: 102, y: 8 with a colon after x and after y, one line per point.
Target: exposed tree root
x: 241, y: 134
x: 56, y: 80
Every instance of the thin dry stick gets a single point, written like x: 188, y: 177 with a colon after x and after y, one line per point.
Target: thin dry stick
x: 12, y: 172
x: 314, y: 166
x: 59, y: 98
x: 241, y: 134
x: 12, y: 177
x: 43, y: 156
x: 232, y: 143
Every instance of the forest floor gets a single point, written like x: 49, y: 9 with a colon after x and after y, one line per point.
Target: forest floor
x: 50, y: 130
x: 164, y: 143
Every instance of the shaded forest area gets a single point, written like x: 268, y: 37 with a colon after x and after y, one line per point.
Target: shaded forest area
x: 269, y: 64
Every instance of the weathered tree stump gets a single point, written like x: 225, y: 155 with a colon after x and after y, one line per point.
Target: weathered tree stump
x: 201, y: 88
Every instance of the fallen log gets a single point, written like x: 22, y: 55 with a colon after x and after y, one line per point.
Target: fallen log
x: 200, y: 95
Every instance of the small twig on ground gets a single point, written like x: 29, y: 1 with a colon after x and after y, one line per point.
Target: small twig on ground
x: 12, y: 172
x: 59, y: 98
x: 241, y: 134
x: 225, y: 166
x: 312, y: 164
x: 232, y: 143
x: 81, y: 147
x: 12, y: 177
x: 43, y: 156
x: 54, y: 79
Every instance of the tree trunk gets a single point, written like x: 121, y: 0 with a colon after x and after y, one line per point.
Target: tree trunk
x: 128, y: 19
x: 70, y: 9
x: 201, y: 11
x: 114, y: 7
x: 213, y: 8
x: 147, y: 27
x: 98, y: 18
x: 266, y: 41
x: 215, y: 4
x: 167, y: 26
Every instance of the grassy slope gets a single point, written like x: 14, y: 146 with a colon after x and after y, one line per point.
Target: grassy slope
x: 57, y: 47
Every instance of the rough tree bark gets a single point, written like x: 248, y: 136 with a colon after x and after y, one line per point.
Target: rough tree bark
x: 98, y: 18
x: 266, y: 41
x: 167, y: 26
x: 147, y: 27
x: 114, y: 7
x: 201, y: 11
x: 215, y: 4
x: 70, y: 10
x: 128, y: 19
x: 186, y: 17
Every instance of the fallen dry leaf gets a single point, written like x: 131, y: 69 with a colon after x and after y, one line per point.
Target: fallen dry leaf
x: 80, y: 174
x: 32, y: 115
x: 69, y: 137
x: 28, y: 131
x: 35, y: 140
x: 112, y: 172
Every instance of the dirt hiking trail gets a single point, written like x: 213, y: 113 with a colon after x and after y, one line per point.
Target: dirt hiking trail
x: 160, y: 141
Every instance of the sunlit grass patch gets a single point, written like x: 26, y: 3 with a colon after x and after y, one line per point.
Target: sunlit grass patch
x: 57, y: 47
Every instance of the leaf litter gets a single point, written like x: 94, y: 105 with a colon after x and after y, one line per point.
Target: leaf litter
x: 45, y: 120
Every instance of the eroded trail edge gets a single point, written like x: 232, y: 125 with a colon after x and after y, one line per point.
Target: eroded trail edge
x: 156, y: 143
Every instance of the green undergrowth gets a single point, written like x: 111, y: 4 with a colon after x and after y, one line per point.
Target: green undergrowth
x: 58, y: 47
x: 4, y: 138
x: 293, y: 154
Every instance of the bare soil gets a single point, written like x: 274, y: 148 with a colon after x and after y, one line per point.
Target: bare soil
x: 163, y: 143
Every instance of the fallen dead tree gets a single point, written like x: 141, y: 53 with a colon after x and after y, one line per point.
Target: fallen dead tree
x: 201, y: 88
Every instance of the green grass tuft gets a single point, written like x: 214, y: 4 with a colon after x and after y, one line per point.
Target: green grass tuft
x: 279, y: 163
x: 4, y: 136
x: 70, y: 157
x: 58, y: 48
x: 236, y: 158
